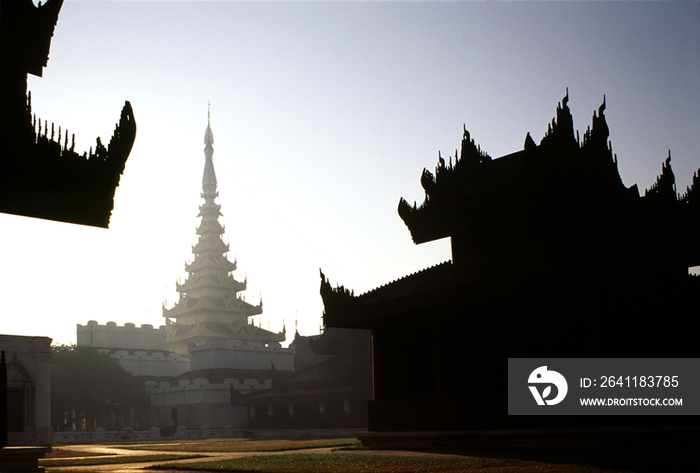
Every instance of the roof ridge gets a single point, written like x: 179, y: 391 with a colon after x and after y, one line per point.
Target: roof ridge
x: 444, y: 263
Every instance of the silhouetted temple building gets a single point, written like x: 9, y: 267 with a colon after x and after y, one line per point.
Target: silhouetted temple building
x: 552, y: 256
x: 41, y: 173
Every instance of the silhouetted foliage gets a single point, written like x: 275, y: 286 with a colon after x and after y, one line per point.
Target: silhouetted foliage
x: 86, y: 384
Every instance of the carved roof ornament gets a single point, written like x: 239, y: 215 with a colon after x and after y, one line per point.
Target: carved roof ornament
x: 576, y: 181
x: 560, y: 169
x: 39, y: 175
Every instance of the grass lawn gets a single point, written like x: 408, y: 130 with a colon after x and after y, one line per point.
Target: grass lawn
x: 63, y: 453
x: 364, y: 463
x: 102, y: 460
x: 246, y: 445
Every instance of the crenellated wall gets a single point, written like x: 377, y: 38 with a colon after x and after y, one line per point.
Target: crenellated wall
x: 126, y: 337
x: 243, y: 356
x: 139, y: 350
x: 157, y: 364
x: 199, y: 404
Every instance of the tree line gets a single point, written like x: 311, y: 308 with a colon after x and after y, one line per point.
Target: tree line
x: 90, y: 389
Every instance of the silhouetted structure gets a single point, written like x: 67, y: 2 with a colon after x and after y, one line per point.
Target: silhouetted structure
x: 552, y: 256
x: 329, y: 395
x: 25, y: 400
x: 28, y: 389
x: 41, y: 174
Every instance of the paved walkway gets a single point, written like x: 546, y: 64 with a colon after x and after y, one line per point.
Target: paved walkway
x: 138, y: 467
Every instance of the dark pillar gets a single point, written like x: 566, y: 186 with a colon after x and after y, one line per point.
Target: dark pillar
x: 3, y: 401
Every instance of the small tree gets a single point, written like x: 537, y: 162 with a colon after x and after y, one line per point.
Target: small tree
x: 89, y: 384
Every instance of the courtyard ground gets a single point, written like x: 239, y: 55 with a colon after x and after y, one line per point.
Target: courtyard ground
x: 290, y: 456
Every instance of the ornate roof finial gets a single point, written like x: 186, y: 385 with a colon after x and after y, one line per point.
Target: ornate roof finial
x: 209, y: 179
x: 208, y: 135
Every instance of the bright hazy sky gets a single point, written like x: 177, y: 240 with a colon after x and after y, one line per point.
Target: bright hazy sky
x: 324, y: 115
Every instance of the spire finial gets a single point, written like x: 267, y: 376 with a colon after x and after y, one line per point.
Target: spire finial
x: 209, y: 178
x: 208, y: 135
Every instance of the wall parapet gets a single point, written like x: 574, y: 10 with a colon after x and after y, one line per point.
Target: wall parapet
x: 115, y: 337
x: 250, y: 356
x: 140, y: 363
x: 200, y: 391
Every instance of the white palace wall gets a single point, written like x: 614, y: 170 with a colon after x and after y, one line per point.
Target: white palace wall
x: 130, y: 345
x: 237, y: 355
x: 141, y: 351
x: 188, y: 406
x: 128, y: 337
x: 157, y: 364
x: 200, y: 404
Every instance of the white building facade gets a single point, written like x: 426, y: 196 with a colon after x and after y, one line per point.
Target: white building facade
x: 28, y: 362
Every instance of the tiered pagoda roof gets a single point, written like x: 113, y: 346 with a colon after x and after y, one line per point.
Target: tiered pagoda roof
x: 210, y: 306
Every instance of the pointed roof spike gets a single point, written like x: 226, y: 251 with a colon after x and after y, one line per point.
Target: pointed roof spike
x: 208, y: 135
x: 209, y: 177
x: 602, y: 107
